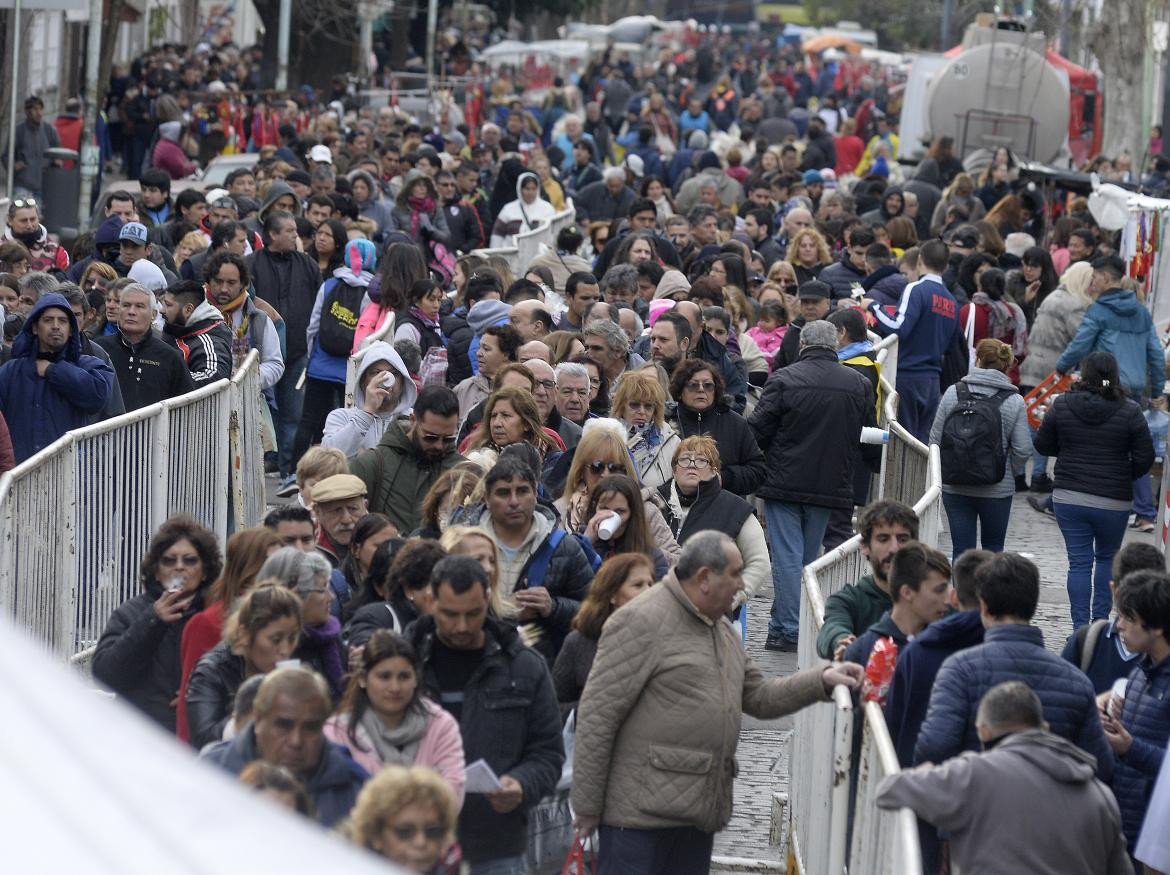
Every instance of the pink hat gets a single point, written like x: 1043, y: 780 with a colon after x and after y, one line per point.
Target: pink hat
x: 658, y: 307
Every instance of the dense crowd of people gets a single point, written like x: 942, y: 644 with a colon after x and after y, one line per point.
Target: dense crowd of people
x: 559, y: 483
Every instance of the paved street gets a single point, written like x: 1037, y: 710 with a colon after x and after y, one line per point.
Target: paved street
x: 763, y: 746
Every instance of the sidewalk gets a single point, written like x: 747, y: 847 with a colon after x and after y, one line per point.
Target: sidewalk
x: 763, y: 745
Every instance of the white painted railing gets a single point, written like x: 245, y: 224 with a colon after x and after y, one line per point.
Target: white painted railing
x: 528, y: 243
x: 820, y: 799
x: 76, y: 518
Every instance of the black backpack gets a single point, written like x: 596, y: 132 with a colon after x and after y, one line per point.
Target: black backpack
x: 971, y: 449
x: 339, y: 317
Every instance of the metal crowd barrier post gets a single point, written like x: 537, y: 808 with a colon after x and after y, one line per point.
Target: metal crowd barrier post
x: 883, y: 842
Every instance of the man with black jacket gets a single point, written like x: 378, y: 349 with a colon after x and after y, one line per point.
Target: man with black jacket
x: 199, y: 332
x: 501, y: 693
x: 462, y: 220
x: 288, y: 280
x: 643, y: 216
x: 813, y: 297
x: 808, y: 423
x: 148, y: 368
x: 842, y: 276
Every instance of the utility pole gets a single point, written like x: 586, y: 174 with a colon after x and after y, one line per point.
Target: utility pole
x: 12, y: 107
x: 90, y: 152
x: 282, y: 45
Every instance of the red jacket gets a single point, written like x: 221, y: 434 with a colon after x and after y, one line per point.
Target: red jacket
x: 169, y: 156
x: 202, y: 632
x: 7, y: 456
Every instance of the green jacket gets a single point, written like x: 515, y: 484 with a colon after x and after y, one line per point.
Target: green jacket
x: 398, y: 477
x: 851, y: 611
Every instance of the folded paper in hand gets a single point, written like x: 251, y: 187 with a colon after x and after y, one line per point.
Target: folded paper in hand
x: 481, y: 778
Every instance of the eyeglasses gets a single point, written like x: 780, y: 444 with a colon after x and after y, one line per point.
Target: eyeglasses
x: 21, y: 203
x: 597, y: 466
x: 185, y: 561
x: 697, y: 462
x: 437, y: 438
x: 548, y: 384
x: 696, y: 386
x: 406, y: 832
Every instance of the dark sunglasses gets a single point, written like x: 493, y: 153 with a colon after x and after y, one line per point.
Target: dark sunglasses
x: 612, y: 467
x: 406, y: 832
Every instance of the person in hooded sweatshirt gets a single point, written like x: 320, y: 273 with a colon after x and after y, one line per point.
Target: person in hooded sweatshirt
x: 339, y: 302
x: 892, y: 206
x: 1029, y: 802
x: 199, y: 331
x: 168, y: 154
x: 48, y: 386
x: 367, y: 198
x: 384, y: 390
x: 523, y: 214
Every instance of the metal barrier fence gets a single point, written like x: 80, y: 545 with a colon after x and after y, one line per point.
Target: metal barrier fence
x: 820, y: 800
x: 886, y: 840
x: 528, y: 243
x: 76, y: 518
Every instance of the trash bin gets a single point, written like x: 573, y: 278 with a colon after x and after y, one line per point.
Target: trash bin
x: 60, y: 190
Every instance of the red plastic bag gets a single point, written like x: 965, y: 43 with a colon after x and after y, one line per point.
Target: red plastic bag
x: 575, y: 862
x: 879, y: 671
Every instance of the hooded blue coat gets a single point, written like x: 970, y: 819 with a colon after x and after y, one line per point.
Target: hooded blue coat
x: 1119, y: 324
x: 41, y: 409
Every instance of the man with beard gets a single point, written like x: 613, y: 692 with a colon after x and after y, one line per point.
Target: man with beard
x: 401, y: 469
x: 670, y: 339
x: 885, y: 527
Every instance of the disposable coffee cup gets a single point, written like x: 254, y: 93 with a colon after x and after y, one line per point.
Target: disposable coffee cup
x: 1118, y: 699
x: 871, y: 435
x: 289, y: 663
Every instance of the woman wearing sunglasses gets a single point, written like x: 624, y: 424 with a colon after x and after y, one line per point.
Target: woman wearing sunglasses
x: 702, y: 410
x: 602, y: 452
x: 408, y: 816
x: 137, y: 655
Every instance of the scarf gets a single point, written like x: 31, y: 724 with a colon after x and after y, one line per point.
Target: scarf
x: 395, y: 747
x: 240, y: 342
x: 324, y: 643
x: 1005, y: 319
x: 575, y: 513
x: 431, y: 322
x: 643, y: 441
x: 418, y: 206
x: 851, y: 349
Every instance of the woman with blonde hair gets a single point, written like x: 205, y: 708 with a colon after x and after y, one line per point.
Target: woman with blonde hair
x: 808, y: 253
x: 509, y: 417
x: 193, y: 243
x: 618, y: 581
x: 602, y: 451
x: 408, y: 816
x: 961, y: 194
x: 449, y: 493
x: 470, y: 541
x: 640, y: 405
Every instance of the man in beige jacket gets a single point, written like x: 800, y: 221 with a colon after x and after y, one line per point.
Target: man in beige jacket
x: 659, y: 720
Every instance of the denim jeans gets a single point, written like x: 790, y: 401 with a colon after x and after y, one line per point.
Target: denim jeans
x: 1092, y: 537
x: 502, y: 866
x: 795, y: 532
x: 681, y: 850
x: 1143, y: 498
x: 289, y: 403
x: 965, y: 511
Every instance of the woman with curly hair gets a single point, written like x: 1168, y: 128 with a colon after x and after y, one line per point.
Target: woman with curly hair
x: 637, y: 248
x: 408, y: 816
x: 808, y: 253
x: 137, y: 655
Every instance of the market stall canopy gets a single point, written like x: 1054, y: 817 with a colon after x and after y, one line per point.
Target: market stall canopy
x: 91, y: 786
x: 830, y: 41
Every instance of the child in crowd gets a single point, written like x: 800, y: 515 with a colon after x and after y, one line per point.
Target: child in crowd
x: 769, y: 330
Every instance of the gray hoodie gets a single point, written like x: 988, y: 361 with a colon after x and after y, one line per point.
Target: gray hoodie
x: 352, y: 429
x: 1031, y: 804
x: 1017, y: 440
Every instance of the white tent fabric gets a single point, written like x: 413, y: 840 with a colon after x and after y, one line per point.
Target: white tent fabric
x: 90, y: 786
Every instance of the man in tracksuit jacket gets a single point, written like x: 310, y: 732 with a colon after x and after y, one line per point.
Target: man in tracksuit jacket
x: 925, y: 320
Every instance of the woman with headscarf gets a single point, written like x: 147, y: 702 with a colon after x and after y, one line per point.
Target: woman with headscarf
x: 526, y: 212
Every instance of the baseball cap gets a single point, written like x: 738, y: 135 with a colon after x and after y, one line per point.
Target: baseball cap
x: 636, y: 165
x: 135, y: 231
x: 321, y: 155
x: 337, y: 488
x: 813, y: 290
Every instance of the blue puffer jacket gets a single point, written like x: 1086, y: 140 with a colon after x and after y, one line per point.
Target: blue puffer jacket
x: 1010, y: 653
x: 41, y: 409
x: 914, y: 674
x: 1146, y: 715
x: 841, y: 276
x: 1117, y: 323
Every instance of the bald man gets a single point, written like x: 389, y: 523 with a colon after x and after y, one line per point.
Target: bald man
x: 545, y: 393
x: 532, y: 319
x: 534, y: 350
